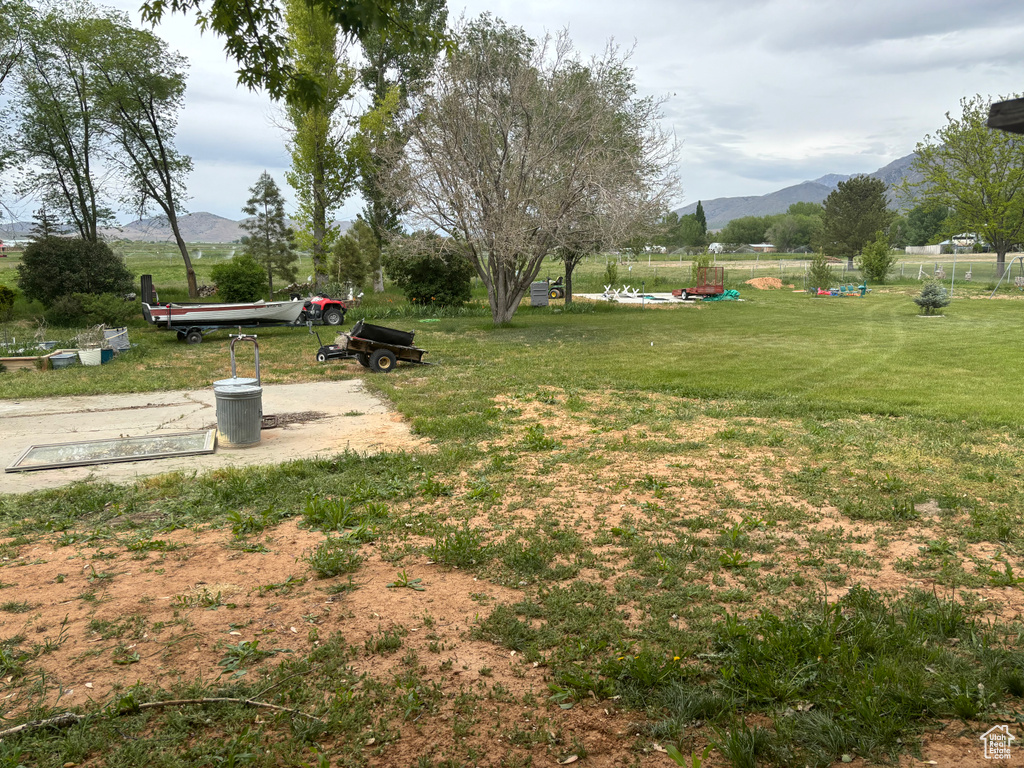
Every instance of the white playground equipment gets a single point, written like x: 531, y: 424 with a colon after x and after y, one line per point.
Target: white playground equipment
x: 1018, y: 281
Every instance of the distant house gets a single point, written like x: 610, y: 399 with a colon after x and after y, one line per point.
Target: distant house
x: 763, y: 247
x: 962, y: 243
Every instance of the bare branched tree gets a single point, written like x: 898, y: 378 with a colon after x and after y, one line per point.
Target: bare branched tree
x: 521, y: 149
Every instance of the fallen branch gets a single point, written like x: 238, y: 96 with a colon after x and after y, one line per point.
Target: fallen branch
x: 68, y: 719
x: 204, y: 702
x: 57, y: 721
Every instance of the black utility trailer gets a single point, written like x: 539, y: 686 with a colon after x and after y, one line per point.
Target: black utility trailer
x: 374, y: 346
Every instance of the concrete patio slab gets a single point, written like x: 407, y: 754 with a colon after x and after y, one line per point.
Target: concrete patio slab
x: 318, y: 419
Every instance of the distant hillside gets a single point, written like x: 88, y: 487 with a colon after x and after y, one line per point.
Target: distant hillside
x: 720, y: 211
x: 195, y: 227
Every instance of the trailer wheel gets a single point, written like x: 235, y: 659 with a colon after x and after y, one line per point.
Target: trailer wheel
x: 194, y: 337
x: 333, y: 316
x: 363, y: 358
x: 321, y: 357
x: 383, y: 360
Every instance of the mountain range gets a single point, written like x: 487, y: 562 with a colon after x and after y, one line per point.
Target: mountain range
x: 209, y: 228
x: 195, y: 228
x: 721, y: 210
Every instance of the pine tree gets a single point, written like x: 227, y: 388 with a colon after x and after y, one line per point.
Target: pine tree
x: 854, y: 211
x: 933, y: 296
x: 701, y: 219
x: 820, y: 274
x: 43, y: 225
x: 270, y: 240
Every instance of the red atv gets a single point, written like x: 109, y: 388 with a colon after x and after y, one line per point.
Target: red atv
x: 324, y: 309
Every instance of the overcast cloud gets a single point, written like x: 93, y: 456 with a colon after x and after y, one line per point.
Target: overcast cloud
x: 763, y: 93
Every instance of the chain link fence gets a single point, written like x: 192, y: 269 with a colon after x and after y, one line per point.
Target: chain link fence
x: 667, y: 271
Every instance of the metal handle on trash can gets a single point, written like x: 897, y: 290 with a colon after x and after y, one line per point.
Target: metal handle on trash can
x: 256, y: 346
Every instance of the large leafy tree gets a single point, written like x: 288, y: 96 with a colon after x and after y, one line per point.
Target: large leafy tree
x: 254, y: 33
x: 854, y: 212
x: 520, y: 149
x: 797, y: 228
x: 925, y: 223
x: 270, y: 241
x: 140, y: 91
x: 13, y: 15
x: 746, y: 230
x: 323, y: 171
x: 58, y: 125
x: 978, y: 174
x: 395, y: 66
x: 682, y: 231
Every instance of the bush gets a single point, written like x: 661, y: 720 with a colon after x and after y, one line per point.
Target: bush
x: 348, y: 264
x: 877, y: 259
x: 6, y: 303
x: 79, y: 309
x: 426, y: 274
x: 611, y: 273
x: 66, y: 311
x: 933, y: 296
x: 700, y: 261
x: 241, y: 279
x: 57, y: 266
x: 820, y: 274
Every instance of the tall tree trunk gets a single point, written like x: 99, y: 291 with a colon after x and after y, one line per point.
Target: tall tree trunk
x: 319, y: 234
x: 1000, y: 261
x: 378, y: 236
x: 570, y: 265
x: 190, y: 272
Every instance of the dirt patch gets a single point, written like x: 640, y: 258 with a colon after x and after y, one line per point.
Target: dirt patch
x: 612, y: 468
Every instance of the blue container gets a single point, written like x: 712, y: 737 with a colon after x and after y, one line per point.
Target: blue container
x: 63, y: 359
x: 106, y: 355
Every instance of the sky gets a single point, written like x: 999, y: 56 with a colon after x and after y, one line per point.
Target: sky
x: 761, y: 94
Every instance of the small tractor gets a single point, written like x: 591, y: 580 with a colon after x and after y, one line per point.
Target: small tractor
x: 556, y: 290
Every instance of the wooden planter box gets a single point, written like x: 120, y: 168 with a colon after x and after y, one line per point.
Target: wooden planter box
x: 35, y: 363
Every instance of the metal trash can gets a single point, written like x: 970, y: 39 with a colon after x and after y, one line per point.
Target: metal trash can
x: 239, y: 404
x: 539, y: 294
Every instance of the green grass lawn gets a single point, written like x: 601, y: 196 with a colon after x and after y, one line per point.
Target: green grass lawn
x: 789, y: 528
x: 789, y: 351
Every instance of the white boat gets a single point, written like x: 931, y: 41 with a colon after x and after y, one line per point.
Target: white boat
x: 254, y: 313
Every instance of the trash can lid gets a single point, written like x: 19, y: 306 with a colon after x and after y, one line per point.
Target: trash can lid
x: 234, y: 382
x: 238, y: 390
